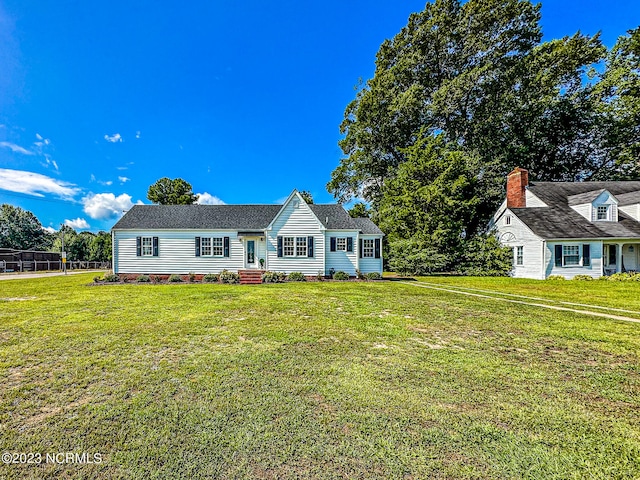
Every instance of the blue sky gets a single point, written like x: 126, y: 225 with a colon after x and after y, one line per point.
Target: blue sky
x: 241, y: 99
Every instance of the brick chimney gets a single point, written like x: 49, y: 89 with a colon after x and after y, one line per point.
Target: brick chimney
x: 517, y: 182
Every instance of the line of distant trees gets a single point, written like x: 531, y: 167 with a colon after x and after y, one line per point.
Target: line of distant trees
x: 21, y: 230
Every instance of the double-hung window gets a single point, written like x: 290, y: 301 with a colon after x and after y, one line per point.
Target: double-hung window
x: 570, y: 255
x: 367, y: 248
x: 288, y: 244
x: 602, y: 212
x: 205, y: 247
x: 301, y: 246
x: 217, y: 247
x: 520, y: 255
x: 147, y: 246
x: 341, y: 244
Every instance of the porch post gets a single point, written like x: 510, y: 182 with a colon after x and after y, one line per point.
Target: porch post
x: 619, y: 257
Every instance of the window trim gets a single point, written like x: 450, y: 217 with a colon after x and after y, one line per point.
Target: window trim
x: 216, y: 244
x: 343, y: 241
x: 607, y: 212
x: 368, y: 251
x: 519, y: 253
x: 565, y: 255
x: 301, y: 243
x: 143, y: 246
x: 286, y: 245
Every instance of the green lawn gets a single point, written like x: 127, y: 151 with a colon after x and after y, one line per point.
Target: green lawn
x: 624, y: 295
x: 315, y: 380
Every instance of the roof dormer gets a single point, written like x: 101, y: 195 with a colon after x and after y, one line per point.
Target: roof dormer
x: 629, y: 203
x: 596, y: 206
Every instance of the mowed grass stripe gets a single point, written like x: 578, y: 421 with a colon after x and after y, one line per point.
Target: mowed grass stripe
x: 498, y: 294
x: 312, y: 380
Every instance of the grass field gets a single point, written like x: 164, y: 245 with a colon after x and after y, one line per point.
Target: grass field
x: 317, y: 380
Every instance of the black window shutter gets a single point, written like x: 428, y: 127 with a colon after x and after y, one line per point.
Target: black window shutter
x: 138, y: 246
x: 309, y: 246
x: 333, y: 244
x: 197, y: 246
x: 279, y: 246
x: 558, y: 255
x: 586, y: 255
x: 155, y: 246
x: 349, y: 244
x: 377, y: 247
x: 226, y: 246
x: 361, y: 248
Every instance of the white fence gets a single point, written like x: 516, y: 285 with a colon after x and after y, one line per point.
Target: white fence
x: 45, y: 265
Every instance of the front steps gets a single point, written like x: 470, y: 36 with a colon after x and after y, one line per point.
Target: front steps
x: 248, y: 277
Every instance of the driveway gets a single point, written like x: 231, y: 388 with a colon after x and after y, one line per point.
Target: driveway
x: 20, y: 276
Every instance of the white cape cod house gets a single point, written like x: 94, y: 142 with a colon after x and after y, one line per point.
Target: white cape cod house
x: 570, y: 228
x: 293, y: 237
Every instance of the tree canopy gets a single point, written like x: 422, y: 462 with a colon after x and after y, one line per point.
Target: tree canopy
x: 464, y: 93
x: 21, y: 230
x: 167, y: 191
x: 306, y: 196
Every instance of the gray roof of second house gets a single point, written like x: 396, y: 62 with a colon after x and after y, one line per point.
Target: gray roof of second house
x: 558, y: 220
x: 231, y: 217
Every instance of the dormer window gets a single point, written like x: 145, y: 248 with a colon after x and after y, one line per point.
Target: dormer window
x: 602, y: 212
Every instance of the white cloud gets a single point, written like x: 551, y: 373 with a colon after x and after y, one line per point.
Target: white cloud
x: 49, y: 229
x: 107, y: 183
x: 208, y: 199
x: 39, y: 137
x: 16, y: 148
x: 78, y: 223
x: 36, y: 184
x: 138, y: 134
x: 115, y: 138
x: 123, y: 179
x: 122, y: 168
x: 103, y: 206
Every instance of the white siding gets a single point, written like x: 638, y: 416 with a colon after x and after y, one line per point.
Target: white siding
x: 371, y: 264
x: 584, y: 209
x: 632, y: 210
x: 518, y: 234
x: 594, y: 270
x: 176, y: 253
x: 532, y: 200
x: 340, y: 260
x: 297, y: 221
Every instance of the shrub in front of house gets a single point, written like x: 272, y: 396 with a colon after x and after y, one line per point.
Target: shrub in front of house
x: 111, y: 278
x: 211, y: 278
x: 98, y: 279
x: 229, y: 277
x: 360, y: 275
x: 175, y: 278
x: 273, y: 277
x: 156, y: 279
x: 320, y: 276
x: 555, y: 277
x: 296, y: 277
x: 583, y: 277
x: 624, y: 277
x: 143, y: 279
x: 192, y: 277
x: 340, y: 275
x: 373, y: 276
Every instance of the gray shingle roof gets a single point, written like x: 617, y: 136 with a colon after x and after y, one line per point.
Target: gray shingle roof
x: 367, y: 227
x: 559, y: 220
x: 231, y: 217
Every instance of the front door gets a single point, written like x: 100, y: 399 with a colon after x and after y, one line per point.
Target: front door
x: 250, y: 254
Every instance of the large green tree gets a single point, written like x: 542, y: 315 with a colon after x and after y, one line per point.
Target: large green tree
x: 167, y: 191
x: 618, y: 109
x: 21, y: 230
x: 477, y: 74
